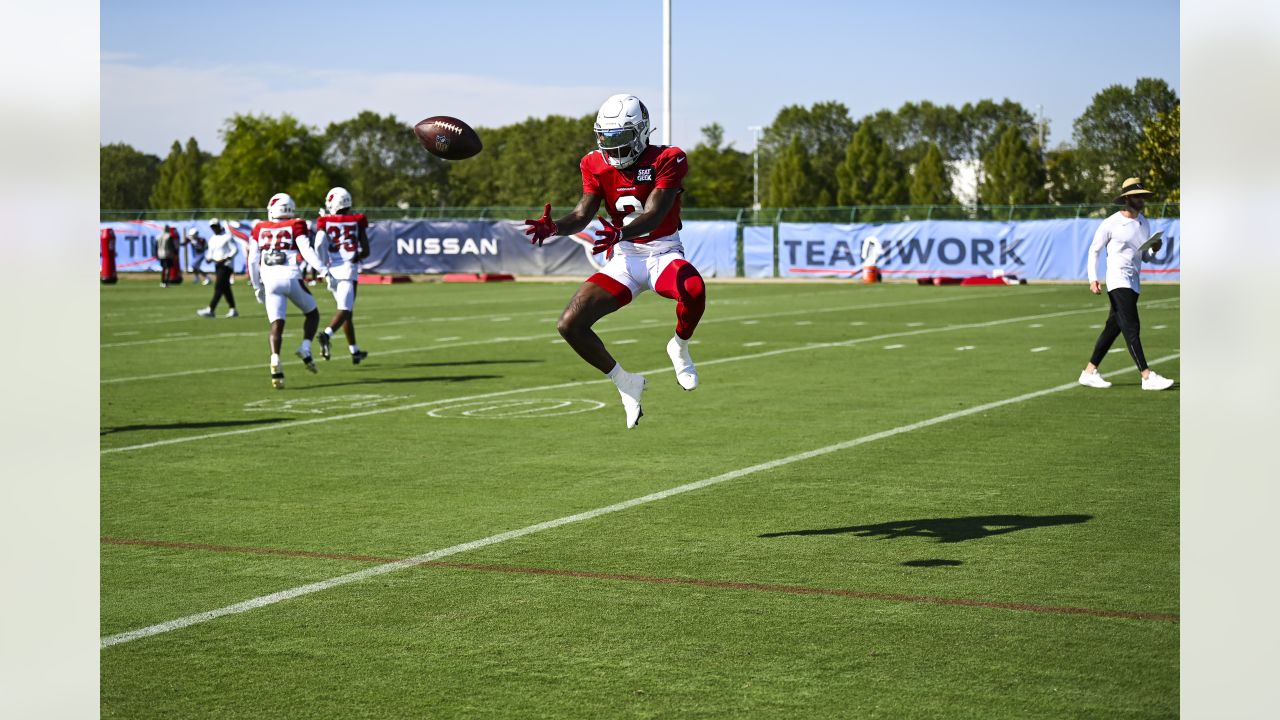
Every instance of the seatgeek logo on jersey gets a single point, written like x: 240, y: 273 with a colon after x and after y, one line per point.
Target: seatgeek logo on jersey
x: 446, y: 246
x: 644, y: 175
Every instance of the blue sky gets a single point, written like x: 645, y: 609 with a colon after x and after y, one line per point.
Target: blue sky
x: 173, y: 70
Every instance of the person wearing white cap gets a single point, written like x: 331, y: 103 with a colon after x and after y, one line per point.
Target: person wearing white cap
x: 1127, y: 237
x: 222, y: 251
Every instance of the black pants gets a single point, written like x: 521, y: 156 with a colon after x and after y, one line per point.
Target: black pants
x: 222, y: 285
x: 1123, y: 318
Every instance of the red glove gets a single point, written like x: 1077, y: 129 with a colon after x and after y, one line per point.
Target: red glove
x: 606, y: 237
x: 542, y: 228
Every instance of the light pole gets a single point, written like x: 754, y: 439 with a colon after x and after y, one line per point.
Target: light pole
x: 666, y: 72
x: 755, y: 168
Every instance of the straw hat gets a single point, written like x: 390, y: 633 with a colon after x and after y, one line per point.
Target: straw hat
x: 1132, y: 186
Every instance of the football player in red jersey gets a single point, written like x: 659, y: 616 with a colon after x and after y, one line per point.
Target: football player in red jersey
x: 276, y: 278
x: 344, y: 235
x: 640, y: 186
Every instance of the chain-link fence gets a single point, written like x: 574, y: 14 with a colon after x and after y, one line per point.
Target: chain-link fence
x: 742, y: 216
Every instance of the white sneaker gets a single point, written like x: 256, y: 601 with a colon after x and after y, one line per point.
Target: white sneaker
x: 1093, y: 379
x: 686, y: 374
x: 232, y: 313
x: 630, y: 386
x: 205, y: 312
x: 204, y: 281
x: 1156, y: 382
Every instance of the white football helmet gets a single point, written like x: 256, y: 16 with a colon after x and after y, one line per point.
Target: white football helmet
x: 622, y: 129
x: 337, y: 199
x: 281, y: 207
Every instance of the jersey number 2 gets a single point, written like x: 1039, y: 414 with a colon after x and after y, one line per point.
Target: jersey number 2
x: 631, y: 206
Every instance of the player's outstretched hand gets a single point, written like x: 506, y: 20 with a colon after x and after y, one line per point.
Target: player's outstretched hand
x: 607, y: 236
x: 542, y: 228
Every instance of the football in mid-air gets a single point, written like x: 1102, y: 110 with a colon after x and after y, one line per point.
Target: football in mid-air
x: 447, y: 137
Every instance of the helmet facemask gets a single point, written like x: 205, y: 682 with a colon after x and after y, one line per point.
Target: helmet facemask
x: 622, y: 130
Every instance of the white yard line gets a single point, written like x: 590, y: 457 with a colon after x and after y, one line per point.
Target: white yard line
x: 501, y: 393
x: 553, y: 336
x: 271, y: 599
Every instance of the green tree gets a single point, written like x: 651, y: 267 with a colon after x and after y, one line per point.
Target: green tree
x: 931, y: 183
x: 1065, y: 180
x: 984, y: 123
x: 1161, y: 155
x: 719, y: 175
x: 527, y: 164
x: 870, y: 173
x: 824, y: 132
x: 262, y: 156
x: 179, y: 183
x: 162, y: 193
x: 1014, y: 172
x: 914, y: 126
x: 792, y: 183
x: 1108, y: 133
x: 378, y: 159
x: 125, y: 177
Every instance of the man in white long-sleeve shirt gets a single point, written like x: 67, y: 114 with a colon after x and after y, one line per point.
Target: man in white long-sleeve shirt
x: 222, y: 251
x: 1123, y: 235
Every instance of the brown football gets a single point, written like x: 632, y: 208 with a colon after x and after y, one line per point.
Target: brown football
x: 448, y: 137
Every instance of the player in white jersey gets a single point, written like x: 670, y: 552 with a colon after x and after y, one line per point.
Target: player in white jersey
x: 344, y: 237
x: 274, y: 247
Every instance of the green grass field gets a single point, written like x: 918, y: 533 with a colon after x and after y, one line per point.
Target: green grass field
x: 908, y: 510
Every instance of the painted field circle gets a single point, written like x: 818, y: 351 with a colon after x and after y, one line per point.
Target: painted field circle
x: 515, y: 408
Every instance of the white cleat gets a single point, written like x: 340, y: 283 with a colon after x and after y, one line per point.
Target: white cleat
x: 686, y: 374
x: 205, y: 313
x: 630, y: 386
x: 1156, y: 382
x: 1093, y: 379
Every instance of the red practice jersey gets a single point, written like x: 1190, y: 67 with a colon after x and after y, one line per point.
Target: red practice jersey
x: 626, y: 191
x: 279, y: 235
x: 343, y: 232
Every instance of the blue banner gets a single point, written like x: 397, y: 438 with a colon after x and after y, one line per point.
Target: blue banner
x: 757, y: 251
x: 487, y: 246
x: 1035, y: 250
x: 136, y: 243
x: 711, y: 245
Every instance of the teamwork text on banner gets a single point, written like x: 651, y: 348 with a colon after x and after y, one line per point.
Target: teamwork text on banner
x: 1035, y: 249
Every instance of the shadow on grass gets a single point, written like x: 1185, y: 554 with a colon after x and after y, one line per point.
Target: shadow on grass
x: 189, y: 425
x: 936, y: 562
x: 381, y: 381
x: 457, y: 363
x: 946, y: 530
